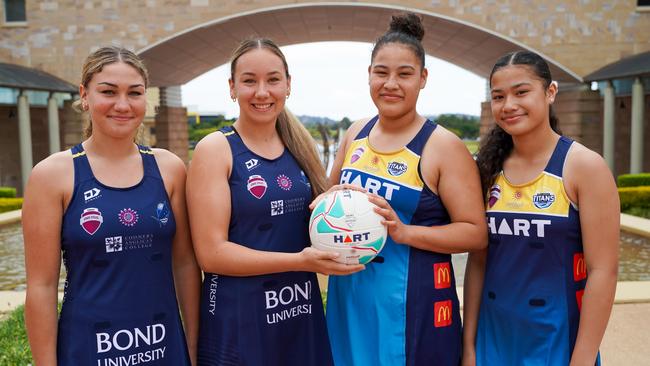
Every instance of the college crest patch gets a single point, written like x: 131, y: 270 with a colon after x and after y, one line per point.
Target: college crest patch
x: 284, y: 182
x: 495, y: 194
x: 256, y: 186
x: 356, y: 155
x: 91, y: 219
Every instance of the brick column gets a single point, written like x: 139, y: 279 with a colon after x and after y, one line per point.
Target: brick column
x: 71, y: 126
x: 171, y: 130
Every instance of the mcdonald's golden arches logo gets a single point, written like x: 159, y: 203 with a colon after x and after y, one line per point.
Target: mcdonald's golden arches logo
x: 579, y: 267
x: 579, y: 294
x: 442, y: 275
x: 442, y: 313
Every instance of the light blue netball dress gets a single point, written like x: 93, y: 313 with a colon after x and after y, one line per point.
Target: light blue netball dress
x: 403, y: 308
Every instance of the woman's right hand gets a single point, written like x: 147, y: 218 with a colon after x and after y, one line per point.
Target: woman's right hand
x: 314, y: 260
x: 336, y: 187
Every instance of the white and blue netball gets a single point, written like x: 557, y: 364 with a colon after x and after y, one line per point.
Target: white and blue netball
x: 345, y: 222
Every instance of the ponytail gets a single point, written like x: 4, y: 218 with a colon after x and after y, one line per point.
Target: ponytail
x: 297, y: 139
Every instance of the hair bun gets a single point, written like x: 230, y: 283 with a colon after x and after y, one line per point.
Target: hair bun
x: 408, y: 23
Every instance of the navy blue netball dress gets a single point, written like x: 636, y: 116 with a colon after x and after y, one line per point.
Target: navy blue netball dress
x: 274, y: 319
x: 403, y: 308
x: 119, y: 306
x: 535, y: 272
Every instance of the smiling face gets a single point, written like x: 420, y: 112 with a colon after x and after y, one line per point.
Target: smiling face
x: 396, y: 78
x: 116, y: 100
x: 260, y: 85
x: 520, y: 101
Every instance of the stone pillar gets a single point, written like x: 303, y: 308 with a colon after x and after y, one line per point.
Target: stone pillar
x: 636, y: 143
x: 171, y: 131
x: 53, y: 124
x: 608, y: 125
x: 171, y: 123
x: 24, y: 138
x: 72, y: 125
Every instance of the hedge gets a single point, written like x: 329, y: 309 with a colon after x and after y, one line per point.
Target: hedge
x: 7, y: 192
x: 10, y: 204
x: 633, y: 180
x: 634, y: 197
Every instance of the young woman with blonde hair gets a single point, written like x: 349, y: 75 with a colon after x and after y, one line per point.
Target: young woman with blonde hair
x: 249, y: 187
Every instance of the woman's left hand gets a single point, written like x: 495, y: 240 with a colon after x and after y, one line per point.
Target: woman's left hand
x: 397, y: 230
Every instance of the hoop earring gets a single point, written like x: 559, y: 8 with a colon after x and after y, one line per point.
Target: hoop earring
x: 234, y: 100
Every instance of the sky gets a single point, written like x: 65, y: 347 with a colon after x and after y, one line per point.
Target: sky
x: 330, y: 79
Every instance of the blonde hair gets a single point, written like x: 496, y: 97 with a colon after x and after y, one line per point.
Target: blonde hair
x: 94, y: 64
x: 294, y: 135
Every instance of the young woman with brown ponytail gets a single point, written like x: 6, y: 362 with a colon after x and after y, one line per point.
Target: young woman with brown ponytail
x: 528, y: 299
x: 249, y: 187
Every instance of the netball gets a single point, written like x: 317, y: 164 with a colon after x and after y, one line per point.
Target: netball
x: 344, y: 221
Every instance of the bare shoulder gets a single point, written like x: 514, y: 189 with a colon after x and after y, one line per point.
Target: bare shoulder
x: 56, y: 170
x: 585, y: 163
x: 168, y: 161
x: 584, y: 168
x: 445, y: 141
x: 216, y: 142
x: 353, y: 131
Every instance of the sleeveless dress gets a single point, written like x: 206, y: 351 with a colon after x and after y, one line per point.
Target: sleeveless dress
x: 119, y: 305
x: 403, y: 308
x: 272, y: 319
x: 535, y: 272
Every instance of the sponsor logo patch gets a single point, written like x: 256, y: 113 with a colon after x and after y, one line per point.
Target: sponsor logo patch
x: 442, y: 275
x: 162, y: 214
x: 113, y: 244
x: 277, y: 207
x: 442, y: 313
x: 356, y: 154
x: 579, y: 295
x: 543, y: 200
x: 91, y: 219
x: 495, y: 194
x: 304, y: 179
x: 397, y: 168
x: 128, y: 217
x: 91, y: 194
x: 256, y: 186
x: 284, y: 182
x: 252, y: 163
x: 579, y: 267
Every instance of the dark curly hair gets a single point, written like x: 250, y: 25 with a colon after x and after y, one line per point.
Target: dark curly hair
x: 407, y: 29
x: 497, y: 145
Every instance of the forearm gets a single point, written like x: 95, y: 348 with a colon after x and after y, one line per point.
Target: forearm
x: 472, y: 290
x: 187, y: 278
x: 597, y: 304
x: 456, y: 237
x: 41, y: 323
x: 233, y: 259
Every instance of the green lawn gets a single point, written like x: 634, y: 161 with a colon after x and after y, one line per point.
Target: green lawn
x: 14, y: 348
x: 472, y: 146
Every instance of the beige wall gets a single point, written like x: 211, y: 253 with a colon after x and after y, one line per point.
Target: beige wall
x: 581, y: 35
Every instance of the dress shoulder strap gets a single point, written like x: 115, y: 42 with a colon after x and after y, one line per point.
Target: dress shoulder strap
x: 555, y: 164
x: 82, y: 170
x: 366, y: 129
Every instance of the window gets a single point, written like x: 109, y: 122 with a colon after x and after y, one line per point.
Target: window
x: 643, y: 5
x: 15, y: 11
